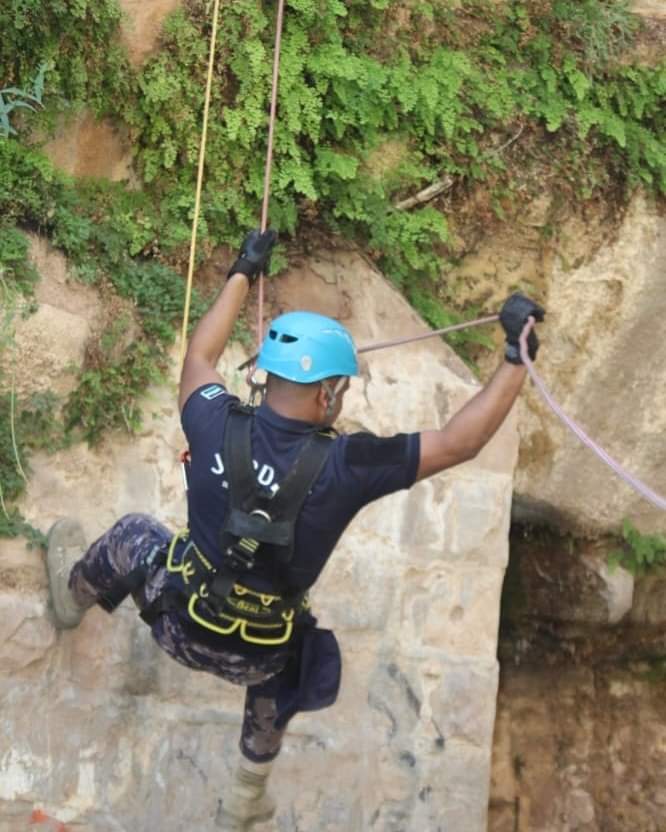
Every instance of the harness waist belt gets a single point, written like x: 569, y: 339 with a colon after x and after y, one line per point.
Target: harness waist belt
x: 221, y: 604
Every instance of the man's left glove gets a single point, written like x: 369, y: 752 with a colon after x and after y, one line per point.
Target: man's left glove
x: 513, y: 317
x: 254, y: 255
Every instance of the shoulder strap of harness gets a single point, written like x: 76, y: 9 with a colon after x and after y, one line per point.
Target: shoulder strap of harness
x: 244, y: 492
x: 256, y: 516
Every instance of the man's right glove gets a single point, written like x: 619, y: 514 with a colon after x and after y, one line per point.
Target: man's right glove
x: 254, y: 255
x: 513, y: 317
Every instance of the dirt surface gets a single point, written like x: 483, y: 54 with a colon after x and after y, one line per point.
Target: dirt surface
x: 580, y: 736
x: 579, y: 750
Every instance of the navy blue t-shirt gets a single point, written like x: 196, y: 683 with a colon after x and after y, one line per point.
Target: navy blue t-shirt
x: 360, y: 468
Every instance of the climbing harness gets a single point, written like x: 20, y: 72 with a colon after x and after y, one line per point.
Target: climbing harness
x: 260, y: 618
x: 259, y: 525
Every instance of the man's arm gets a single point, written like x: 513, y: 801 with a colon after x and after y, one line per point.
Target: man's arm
x: 212, y: 333
x: 468, y: 431
x: 210, y: 337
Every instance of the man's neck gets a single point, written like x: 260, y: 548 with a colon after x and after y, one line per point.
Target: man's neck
x: 302, y: 411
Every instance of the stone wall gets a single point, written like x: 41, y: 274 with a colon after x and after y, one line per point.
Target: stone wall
x: 103, y: 732
x: 579, y: 734
x: 579, y: 749
x: 603, y: 359
x: 651, y: 9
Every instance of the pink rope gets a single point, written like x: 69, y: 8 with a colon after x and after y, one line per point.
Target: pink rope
x: 636, y: 484
x: 396, y: 342
x: 269, y: 160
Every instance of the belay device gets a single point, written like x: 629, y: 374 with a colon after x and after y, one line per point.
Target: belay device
x: 259, y: 523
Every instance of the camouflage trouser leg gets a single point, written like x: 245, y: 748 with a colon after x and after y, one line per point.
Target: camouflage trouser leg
x: 115, y: 554
x: 260, y: 738
x: 123, y: 547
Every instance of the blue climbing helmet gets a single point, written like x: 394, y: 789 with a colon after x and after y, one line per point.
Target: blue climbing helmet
x: 305, y: 347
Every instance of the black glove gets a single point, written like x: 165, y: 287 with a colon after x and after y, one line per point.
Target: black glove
x: 513, y: 317
x: 254, y: 255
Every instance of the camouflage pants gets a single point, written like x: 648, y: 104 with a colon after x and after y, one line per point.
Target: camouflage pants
x: 127, y: 544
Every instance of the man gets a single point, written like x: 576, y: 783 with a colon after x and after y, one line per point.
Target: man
x: 270, y: 492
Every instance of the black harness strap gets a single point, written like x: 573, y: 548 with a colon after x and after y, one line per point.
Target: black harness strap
x: 257, y: 515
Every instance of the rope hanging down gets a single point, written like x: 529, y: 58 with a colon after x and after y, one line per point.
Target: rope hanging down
x: 269, y: 161
x: 630, y: 479
x: 201, y: 165
x: 639, y: 486
x: 200, y: 172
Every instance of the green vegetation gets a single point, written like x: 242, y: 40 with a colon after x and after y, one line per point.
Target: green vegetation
x: 378, y: 101
x: 640, y: 553
x: 103, y: 229
x: 453, y: 86
x: 25, y: 426
x: 13, y: 98
x: 78, y: 40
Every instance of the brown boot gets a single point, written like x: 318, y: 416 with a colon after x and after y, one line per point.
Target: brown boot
x: 66, y: 545
x: 246, y: 801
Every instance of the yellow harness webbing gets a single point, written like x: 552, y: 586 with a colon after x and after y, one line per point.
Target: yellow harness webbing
x: 247, y: 612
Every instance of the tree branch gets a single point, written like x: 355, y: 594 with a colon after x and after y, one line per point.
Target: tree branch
x: 426, y: 194
x: 442, y: 185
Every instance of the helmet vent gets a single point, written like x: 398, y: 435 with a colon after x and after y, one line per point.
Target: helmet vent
x: 283, y: 338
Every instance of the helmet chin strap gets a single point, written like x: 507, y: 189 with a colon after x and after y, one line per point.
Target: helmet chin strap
x: 332, y: 393
x: 257, y: 390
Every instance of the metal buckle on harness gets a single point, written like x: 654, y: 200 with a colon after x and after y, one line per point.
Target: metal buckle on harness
x: 241, y: 554
x: 257, y: 388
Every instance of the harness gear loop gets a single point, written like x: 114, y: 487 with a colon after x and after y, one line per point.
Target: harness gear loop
x: 258, y: 618
x: 259, y: 523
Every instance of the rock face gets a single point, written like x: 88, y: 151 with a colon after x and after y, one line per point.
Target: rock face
x: 129, y: 740
x: 87, y: 147
x: 579, y: 739
x: 48, y: 343
x: 579, y: 750
x: 652, y: 9
x: 142, y: 24
x: 603, y: 360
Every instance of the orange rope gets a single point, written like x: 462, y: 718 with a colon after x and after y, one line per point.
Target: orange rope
x: 200, y: 172
x: 197, y: 198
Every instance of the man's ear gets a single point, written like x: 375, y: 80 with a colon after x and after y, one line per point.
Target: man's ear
x: 323, y: 398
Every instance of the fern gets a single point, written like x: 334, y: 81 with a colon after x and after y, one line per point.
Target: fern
x: 640, y: 553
